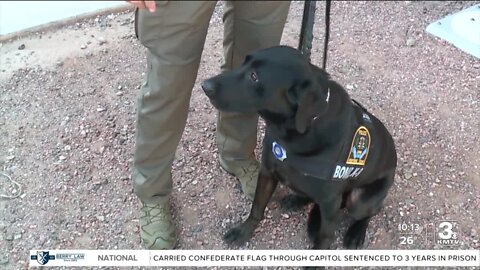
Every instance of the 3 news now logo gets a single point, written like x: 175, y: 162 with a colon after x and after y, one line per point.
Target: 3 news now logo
x: 447, y: 233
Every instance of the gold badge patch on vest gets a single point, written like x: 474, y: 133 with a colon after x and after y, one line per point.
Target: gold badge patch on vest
x: 360, y: 147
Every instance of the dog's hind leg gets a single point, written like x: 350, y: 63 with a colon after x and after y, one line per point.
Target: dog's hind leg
x: 294, y: 202
x: 363, y: 204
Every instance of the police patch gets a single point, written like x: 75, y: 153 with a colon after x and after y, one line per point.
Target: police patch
x: 278, y: 151
x: 360, y: 147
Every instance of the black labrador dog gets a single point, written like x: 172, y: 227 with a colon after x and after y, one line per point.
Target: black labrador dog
x: 318, y: 141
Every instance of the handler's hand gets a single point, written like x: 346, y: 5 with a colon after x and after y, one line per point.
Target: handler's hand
x: 150, y: 5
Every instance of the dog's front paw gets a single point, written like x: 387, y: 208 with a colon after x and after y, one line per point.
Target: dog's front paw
x: 238, y: 235
x: 354, y: 238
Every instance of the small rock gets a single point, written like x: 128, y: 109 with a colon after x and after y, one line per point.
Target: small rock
x: 62, y: 158
x: 21, y: 47
x: 285, y: 216
x: 407, y: 175
x: 9, y: 237
x: 101, y: 41
x: 198, y: 228
x: 119, y: 87
x: 101, y: 218
x: 100, y: 109
x: 101, y: 182
x: 200, y: 243
x: 59, y: 63
x: 3, y: 259
x: 83, y: 47
x: 349, y: 87
x: 194, y: 182
x: 17, y: 236
x: 10, y: 157
x: 119, y: 93
x: 411, y: 42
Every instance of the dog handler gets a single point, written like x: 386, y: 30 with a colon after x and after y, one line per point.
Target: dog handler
x: 174, y: 34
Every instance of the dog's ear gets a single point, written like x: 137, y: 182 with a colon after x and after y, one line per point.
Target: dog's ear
x: 309, y: 102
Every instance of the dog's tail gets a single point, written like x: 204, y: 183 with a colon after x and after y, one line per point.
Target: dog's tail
x: 314, y: 221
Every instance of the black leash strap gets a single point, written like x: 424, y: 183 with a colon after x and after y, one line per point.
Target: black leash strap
x: 327, y: 33
x: 306, y: 31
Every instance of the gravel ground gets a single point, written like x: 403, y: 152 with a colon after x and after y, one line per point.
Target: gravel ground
x: 67, y: 116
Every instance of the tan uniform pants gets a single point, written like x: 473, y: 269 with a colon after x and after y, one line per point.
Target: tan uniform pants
x: 174, y: 36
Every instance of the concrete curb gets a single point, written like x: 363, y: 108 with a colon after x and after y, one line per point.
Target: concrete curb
x: 60, y: 23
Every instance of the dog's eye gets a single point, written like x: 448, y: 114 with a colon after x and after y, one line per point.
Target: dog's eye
x: 253, y: 77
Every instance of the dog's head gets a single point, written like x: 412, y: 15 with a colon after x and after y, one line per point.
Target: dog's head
x: 278, y: 83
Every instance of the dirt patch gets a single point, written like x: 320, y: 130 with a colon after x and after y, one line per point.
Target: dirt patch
x: 67, y: 124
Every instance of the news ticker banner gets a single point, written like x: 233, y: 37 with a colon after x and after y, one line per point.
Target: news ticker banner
x: 203, y: 258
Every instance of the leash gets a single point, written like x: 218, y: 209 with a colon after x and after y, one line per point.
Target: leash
x: 306, y: 30
x: 327, y: 33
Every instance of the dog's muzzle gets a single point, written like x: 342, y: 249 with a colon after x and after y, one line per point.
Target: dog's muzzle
x: 209, y: 87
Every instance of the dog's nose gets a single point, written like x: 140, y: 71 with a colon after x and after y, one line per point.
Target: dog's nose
x: 208, y: 87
